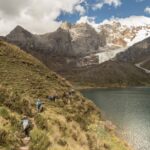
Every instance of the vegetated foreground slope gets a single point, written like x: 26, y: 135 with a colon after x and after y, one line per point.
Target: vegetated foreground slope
x: 108, y: 74
x: 70, y: 123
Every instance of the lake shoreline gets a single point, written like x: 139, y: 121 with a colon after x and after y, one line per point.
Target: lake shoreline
x: 82, y: 88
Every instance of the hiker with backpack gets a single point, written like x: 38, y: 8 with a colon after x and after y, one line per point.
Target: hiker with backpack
x: 53, y: 98
x: 26, y: 125
x: 39, y: 105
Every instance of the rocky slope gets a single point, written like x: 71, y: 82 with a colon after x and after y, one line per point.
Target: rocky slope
x: 108, y: 74
x: 72, y: 122
x: 136, y: 53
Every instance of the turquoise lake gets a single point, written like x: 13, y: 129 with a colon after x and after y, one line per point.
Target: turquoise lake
x: 129, y: 109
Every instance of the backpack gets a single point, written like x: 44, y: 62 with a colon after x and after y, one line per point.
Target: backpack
x: 25, y: 124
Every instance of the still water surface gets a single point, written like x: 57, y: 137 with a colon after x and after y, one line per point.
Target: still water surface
x: 129, y: 109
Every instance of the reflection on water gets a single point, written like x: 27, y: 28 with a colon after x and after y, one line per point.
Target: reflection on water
x: 129, y: 109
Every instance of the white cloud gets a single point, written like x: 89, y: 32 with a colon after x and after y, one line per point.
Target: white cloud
x: 130, y: 21
x: 115, y: 3
x: 38, y: 16
x: 80, y: 9
x: 90, y: 21
x: 86, y: 19
x: 147, y: 10
x: 100, y: 4
x: 97, y: 6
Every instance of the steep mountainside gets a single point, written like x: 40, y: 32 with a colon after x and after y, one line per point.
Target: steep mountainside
x: 72, y: 122
x: 24, y: 38
x: 85, y: 40
x: 108, y: 74
x: 78, y: 40
x: 138, y: 53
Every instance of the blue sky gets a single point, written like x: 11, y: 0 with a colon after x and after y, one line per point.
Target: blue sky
x: 42, y: 16
x: 126, y: 9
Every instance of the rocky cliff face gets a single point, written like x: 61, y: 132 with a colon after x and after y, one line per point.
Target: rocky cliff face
x: 85, y: 40
x: 48, y: 43
x: 70, y: 40
x: 23, y: 38
x: 59, y: 43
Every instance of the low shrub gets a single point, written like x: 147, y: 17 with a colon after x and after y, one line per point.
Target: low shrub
x: 15, y: 123
x: 3, y: 94
x: 41, y: 122
x: 3, y: 136
x: 39, y: 140
x: 4, y: 113
x: 15, y: 103
x: 9, y: 139
x: 62, y: 142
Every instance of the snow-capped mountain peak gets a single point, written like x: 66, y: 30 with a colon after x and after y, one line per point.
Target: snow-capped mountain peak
x: 119, y: 33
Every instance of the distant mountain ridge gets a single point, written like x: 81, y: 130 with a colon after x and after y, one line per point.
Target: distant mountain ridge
x: 83, y: 39
x: 63, y: 37
x: 84, y: 46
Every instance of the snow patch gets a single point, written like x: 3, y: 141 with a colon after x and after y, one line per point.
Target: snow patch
x: 108, y: 55
x: 141, y: 35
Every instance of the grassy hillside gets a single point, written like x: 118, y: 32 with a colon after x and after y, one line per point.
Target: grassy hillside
x: 70, y: 123
x: 108, y: 74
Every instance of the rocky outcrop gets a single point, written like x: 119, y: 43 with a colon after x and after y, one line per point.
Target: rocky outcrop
x: 25, y: 39
x: 66, y: 26
x: 59, y: 43
x: 85, y: 40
